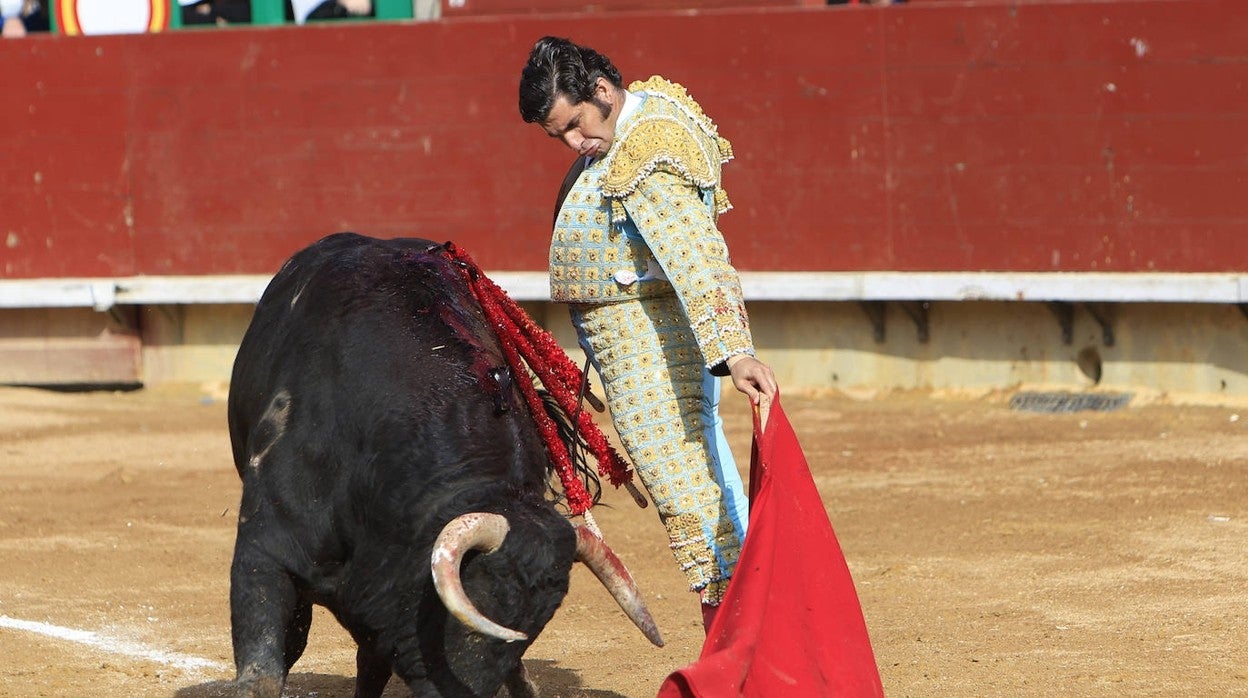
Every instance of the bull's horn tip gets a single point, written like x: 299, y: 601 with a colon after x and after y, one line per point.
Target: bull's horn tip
x: 654, y: 637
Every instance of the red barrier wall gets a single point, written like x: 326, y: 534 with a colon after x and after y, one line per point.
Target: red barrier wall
x: 491, y: 8
x: 1106, y: 136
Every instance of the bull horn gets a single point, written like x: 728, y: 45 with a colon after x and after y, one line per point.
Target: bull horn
x: 475, y: 531
x: 599, y: 558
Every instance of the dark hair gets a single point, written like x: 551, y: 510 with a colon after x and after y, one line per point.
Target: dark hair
x: 559, y: 67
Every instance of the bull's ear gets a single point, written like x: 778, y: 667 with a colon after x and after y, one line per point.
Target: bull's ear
x: 475, y: 531
x: 598, y: 557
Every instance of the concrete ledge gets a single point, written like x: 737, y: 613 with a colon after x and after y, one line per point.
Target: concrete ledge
x: 996, y: 286
x: 103, y: 293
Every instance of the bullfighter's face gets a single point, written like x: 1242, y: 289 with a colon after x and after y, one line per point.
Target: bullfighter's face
x: 587, y: 127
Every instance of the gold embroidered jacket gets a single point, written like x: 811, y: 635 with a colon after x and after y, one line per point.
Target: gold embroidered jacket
x: 642, y: 221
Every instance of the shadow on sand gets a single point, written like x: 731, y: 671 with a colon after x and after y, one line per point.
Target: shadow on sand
x: 553, y: 682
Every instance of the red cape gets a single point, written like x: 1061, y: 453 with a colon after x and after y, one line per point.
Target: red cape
x: 790, y: 623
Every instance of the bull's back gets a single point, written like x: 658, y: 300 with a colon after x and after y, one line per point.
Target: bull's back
x: 366, y: 342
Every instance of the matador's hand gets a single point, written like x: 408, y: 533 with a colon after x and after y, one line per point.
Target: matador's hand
x: 752, y: 377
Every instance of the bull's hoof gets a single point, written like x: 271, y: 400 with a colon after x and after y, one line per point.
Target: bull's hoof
x: 258, y: 687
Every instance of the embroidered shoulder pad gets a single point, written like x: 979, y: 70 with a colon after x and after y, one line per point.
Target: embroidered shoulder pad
x: 671, y: 133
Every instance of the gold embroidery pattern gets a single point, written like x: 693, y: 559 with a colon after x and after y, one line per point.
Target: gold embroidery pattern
x: 670, y: 133
x: 587, y: 251
x: 682, y: 236
x: 652, y: 373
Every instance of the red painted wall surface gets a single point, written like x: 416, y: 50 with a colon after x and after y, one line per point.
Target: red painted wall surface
x: 487, y: 8
x: 1099, y: 136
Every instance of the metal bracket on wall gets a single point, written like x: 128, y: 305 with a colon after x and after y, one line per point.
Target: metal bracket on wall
x: 119, y: 319
x: 876, y: 312
x: 1101, y: 312
x: 1065, y: 313
x: 917, y: 310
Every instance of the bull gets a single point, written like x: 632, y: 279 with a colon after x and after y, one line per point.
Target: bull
x: 392, y: 473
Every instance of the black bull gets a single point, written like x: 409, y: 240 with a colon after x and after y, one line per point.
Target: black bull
x: 391, y: 472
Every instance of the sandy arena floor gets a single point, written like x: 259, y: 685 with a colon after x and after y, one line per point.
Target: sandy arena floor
x: 996, y: 552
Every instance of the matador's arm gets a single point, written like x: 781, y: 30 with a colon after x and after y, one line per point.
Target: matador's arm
x: 680, y: 231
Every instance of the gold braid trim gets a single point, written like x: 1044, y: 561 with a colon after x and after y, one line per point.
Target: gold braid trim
x: 659, y: 138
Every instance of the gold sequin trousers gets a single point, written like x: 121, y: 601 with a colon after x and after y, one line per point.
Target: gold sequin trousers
x: 652, y: 373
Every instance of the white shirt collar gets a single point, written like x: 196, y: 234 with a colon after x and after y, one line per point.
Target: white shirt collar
x: 631, y: 103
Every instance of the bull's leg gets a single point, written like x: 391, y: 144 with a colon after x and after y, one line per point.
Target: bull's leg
x: 372, y: 672
x: 297, y: 633
x: 264, y: 606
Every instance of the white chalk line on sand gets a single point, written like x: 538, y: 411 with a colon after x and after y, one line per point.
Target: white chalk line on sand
x: 112, y: 644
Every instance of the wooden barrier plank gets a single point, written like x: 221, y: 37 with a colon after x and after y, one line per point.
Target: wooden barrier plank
x: 42, y: 346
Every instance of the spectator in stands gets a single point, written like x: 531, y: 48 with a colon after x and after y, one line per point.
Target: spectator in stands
x: 22, y: 16
x: 224, y: 12
x: 218, y: 12
x: 657, y: 305
x: 14, y: 27
x: 304, y: 10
